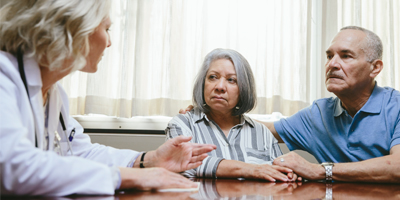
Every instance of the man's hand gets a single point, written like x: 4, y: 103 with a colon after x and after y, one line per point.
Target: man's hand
x: 294, y: 177
x: 183, y: 111
x: 152, y: 178
x: 301, y: 166
x: 178, y: 154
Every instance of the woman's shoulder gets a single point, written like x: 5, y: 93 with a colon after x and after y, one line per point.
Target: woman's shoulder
x: 255, y: 124
x: 188, y: 118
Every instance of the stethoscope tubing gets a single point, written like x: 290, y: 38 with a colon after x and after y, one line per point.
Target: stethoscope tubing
x: 23, y: 77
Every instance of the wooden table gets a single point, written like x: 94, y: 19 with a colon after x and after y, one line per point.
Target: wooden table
x: 250, y: 189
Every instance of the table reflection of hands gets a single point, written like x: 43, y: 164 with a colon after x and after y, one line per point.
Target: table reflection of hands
x: 154, y: 195
x: 253, y: 189
x: 221, y: 188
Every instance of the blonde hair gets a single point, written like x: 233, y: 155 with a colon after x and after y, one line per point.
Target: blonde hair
x: 51, y: 30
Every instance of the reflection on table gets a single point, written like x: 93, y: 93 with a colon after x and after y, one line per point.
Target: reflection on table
x: 251, y: 189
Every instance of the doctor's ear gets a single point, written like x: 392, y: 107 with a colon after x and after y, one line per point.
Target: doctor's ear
x: 377, y: 66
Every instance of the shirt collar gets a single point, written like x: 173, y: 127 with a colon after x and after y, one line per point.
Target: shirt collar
x: 32, y: 71
x: 199, y: 115
x: 338, y: 107
x: 373, y: 105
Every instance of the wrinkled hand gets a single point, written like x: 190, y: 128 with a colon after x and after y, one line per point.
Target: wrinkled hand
x: 268, y: 172
x: 294, y: 177
x: 179, y: 155
x: 152, y: 178
x: 183, y: 111
x: 301, y: 166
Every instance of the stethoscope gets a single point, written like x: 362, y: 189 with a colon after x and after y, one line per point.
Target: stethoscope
x: 23, y: 77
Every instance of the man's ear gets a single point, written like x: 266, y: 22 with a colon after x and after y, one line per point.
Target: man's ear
x: 377, y: 67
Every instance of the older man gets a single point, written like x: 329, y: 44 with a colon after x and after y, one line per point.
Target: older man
x: 356, y: 134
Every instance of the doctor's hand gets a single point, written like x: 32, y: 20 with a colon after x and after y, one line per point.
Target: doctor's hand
x: 177, y: 155
x: 183, y: 111
x: 152, y: 178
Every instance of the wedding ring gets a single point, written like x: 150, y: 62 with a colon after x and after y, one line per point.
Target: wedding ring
x: 282, y: 160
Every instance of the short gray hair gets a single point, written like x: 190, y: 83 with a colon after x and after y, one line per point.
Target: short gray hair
x: 51, y: 30
x: 372, y: 46
x: 245, y: 80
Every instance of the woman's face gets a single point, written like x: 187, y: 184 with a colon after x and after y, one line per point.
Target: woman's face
x: 98, y: 41
x: 221, y: 91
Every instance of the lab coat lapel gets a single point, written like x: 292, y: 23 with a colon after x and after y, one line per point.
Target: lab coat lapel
x: 55, y: 103
x: 34, y: 82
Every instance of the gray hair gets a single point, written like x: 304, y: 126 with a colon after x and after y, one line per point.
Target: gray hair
x: 51, y: 31
x: 245, y: 80
x: 372, y: 46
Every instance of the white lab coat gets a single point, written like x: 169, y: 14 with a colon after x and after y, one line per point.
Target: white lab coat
x: 34, y: 171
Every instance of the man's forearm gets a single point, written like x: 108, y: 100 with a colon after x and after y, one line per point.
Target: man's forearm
x: 384, y: 169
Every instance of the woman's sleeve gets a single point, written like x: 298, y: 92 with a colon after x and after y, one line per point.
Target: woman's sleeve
x: 271, y: 144
x: 180, y: 125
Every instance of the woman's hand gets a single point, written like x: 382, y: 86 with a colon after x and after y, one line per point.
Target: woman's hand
x: 239, y: 169
x: 268, y: 172
x: 152, y: 178
x: 177, y: 155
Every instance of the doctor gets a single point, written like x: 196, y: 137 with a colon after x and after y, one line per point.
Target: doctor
x: 43, y: 150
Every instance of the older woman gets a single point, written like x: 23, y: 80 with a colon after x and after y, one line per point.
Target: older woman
x: 224, y: 90
x: 41, y: 42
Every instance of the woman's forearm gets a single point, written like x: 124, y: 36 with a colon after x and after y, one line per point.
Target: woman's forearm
x: 232, y: 169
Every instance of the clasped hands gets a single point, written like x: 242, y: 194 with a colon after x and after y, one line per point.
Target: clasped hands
x: 300, y: 166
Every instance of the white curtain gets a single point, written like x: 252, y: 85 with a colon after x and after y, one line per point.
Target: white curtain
x: 159, y: 45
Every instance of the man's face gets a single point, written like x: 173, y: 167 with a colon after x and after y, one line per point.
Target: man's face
x: 347, y: 68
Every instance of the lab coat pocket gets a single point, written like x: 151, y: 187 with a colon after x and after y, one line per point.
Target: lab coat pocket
x: 65, y: 148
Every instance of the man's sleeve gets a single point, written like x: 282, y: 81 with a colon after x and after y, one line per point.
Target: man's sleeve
x: 296, y: 130
x: 396, y: 135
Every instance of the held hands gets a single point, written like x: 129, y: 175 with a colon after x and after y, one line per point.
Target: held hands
x: 270, y: 172
x: 300, y: 166
x: 178, y: 154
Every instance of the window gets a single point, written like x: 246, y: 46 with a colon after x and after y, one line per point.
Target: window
x: 159, y: 45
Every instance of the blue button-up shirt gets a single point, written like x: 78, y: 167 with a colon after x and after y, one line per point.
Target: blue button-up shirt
x: 328, y: 132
